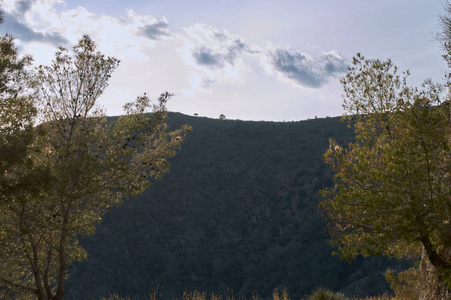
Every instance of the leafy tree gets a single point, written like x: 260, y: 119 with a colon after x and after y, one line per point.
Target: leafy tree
x: 19, y: 175
x: 17, y: 114
x: 392, y: 185
x: 94, y: 165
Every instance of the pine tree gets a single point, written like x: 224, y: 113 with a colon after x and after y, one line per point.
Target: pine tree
x: 392, y: 185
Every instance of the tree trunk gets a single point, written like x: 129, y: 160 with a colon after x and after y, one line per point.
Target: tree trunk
x: 430, y: 285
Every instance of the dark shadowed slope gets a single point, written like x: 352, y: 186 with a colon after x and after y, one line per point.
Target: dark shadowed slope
x: 237, y: 212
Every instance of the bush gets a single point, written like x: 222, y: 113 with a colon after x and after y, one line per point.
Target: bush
x: 325, y: 294
x: 404, y: 284
x: 277, y: 295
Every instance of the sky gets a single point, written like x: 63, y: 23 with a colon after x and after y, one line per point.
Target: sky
x: 250, y: 60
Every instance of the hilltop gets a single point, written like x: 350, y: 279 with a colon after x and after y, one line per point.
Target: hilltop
x: 236, y: 212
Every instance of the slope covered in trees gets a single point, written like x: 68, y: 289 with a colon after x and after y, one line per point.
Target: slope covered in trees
x: 238, y: 212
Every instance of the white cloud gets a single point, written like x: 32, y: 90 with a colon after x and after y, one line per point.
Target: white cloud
x: 217, y: 57
x: 301, y: 68
x: 211, y: 71
x: 119, y: 37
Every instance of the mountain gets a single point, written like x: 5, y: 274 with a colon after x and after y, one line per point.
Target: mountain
x: 237, y: 213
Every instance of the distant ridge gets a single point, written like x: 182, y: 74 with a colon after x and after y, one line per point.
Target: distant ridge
x: 237, y: 212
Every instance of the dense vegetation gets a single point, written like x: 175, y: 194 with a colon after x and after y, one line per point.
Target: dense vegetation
x: 63, y: 165
x: 391, y: 193
x: 238, y: 212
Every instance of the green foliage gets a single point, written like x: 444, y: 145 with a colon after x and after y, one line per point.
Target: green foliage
x: 280, y: 295
x: 391, y: 192
x: 319, y: 294
x: 18, y: 173
x: 404, y: 284
x: 196, y: 295
x: 238, y: 211
x: 94, y: 164
x: 325, y: 294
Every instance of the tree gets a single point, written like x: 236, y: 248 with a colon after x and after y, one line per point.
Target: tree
x: 445, y: 21
x: 391, y: 193
x: 19, y: 175
x: 17, y: 114
x: 94, y: 164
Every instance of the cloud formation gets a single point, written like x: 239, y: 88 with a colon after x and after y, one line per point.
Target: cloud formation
x: 211, y: 48
x: 302, y: 69
x: 205, y: 56
x: 333, y: 63
x: 214, y: 57
x: 156, y: 30
x: 201, y: 64
x: 225, y: 54
x: 15, y: 23
x: 22, y: 6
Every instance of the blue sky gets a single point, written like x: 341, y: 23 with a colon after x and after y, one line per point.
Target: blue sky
x: 250, y: 60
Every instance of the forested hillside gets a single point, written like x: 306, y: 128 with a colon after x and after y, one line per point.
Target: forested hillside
x: 237, y: 212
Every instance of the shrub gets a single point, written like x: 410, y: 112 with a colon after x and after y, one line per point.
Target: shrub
x: 404, y: 284
x: 277, y: 295
x: 325, y: 294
